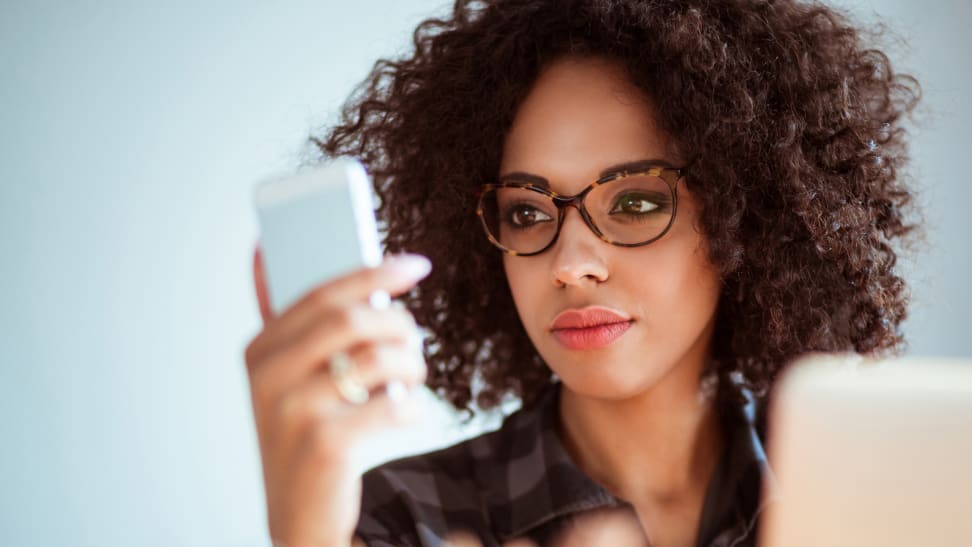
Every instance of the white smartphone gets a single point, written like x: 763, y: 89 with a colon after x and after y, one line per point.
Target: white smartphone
x: 316, y: 225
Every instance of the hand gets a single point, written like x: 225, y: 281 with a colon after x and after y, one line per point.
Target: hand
x: 604, y: 528
x: 306, y: 429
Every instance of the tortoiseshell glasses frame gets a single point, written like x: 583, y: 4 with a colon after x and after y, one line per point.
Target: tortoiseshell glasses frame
x: 670, y: 175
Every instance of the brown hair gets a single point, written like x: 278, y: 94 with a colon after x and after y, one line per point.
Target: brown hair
x: 792, y: 124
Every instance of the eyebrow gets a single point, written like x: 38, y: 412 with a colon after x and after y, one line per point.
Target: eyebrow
x: 637, y: 165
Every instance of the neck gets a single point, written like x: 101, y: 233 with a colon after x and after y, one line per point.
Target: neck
x: 659, y: 447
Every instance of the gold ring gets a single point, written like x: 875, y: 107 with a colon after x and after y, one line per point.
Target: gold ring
x: 342, y: 369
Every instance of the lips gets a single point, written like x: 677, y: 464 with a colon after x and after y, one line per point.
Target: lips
x: 589, y: 328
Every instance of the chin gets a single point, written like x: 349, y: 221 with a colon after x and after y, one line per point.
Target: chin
x: 609, y: 378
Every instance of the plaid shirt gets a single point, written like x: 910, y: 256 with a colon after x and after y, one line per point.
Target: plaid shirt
x: 519, y: 481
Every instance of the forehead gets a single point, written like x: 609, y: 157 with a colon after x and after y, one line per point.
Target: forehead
x: 581, y: 116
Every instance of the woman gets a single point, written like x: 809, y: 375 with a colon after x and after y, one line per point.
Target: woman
x: 638, y: 213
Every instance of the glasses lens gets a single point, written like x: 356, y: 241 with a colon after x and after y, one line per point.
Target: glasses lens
x: 631, y: 210
x: 519, y: 219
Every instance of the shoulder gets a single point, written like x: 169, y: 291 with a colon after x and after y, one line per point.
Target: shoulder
x: 418, y: 499
x: 421, y: 476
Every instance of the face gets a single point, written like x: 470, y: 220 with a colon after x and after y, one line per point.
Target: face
x: 581, y: 117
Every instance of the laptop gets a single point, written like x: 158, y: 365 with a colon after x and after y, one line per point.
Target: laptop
x: 870, y: 453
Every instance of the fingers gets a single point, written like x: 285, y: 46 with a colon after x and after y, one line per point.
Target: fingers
x: 380, y: 412
x: 520, y: 542
x: 313, y: 410
x: 613, y: 527
x: 276, y: 363
x: 467, y: 539
x: 376, y: 365
x: 461, y: 539
x: 260, y: 284
x: 305, y: 429
x: 327, y: 438
x: 395, y: 275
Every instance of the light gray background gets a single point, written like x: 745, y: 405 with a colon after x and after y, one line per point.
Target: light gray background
x: 131, y: 135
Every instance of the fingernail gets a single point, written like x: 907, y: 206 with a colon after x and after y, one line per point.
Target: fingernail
x: 411, y: 265
x: 379, y: 300
x: 415, y: 341
x: 396, y: 391
x: 407, y: 409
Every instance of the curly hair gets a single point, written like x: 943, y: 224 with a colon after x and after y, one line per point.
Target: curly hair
x: 793, y: 125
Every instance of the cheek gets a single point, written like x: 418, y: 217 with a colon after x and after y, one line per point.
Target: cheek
x: 525, y: 278
x: 514, y: 278
x: 696, y: 277
x: 676, y: 285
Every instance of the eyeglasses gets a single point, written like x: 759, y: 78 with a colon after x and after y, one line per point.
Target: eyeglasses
x: 628, y: 209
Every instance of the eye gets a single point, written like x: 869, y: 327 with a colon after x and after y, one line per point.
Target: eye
x: 523, y: 216
x: 634, y: 204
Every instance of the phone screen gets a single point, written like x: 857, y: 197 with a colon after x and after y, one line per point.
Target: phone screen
x: 314, y: 226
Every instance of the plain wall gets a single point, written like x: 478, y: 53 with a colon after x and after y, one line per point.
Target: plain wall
x: 131, y: 135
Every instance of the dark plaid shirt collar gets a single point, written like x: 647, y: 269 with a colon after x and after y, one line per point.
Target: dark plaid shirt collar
x: 525, y: 484
x: 535, y: 483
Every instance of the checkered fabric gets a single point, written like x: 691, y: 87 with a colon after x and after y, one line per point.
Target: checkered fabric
x: 519, y: 481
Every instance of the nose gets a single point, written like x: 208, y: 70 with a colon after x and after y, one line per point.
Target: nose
x: 577, y: 259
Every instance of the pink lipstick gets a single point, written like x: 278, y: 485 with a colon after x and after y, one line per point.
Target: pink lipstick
x: 589, y: 328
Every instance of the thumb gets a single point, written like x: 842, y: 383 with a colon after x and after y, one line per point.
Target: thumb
x: 610, y: 527
x: 260, y: 284
x: 461, y: 538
